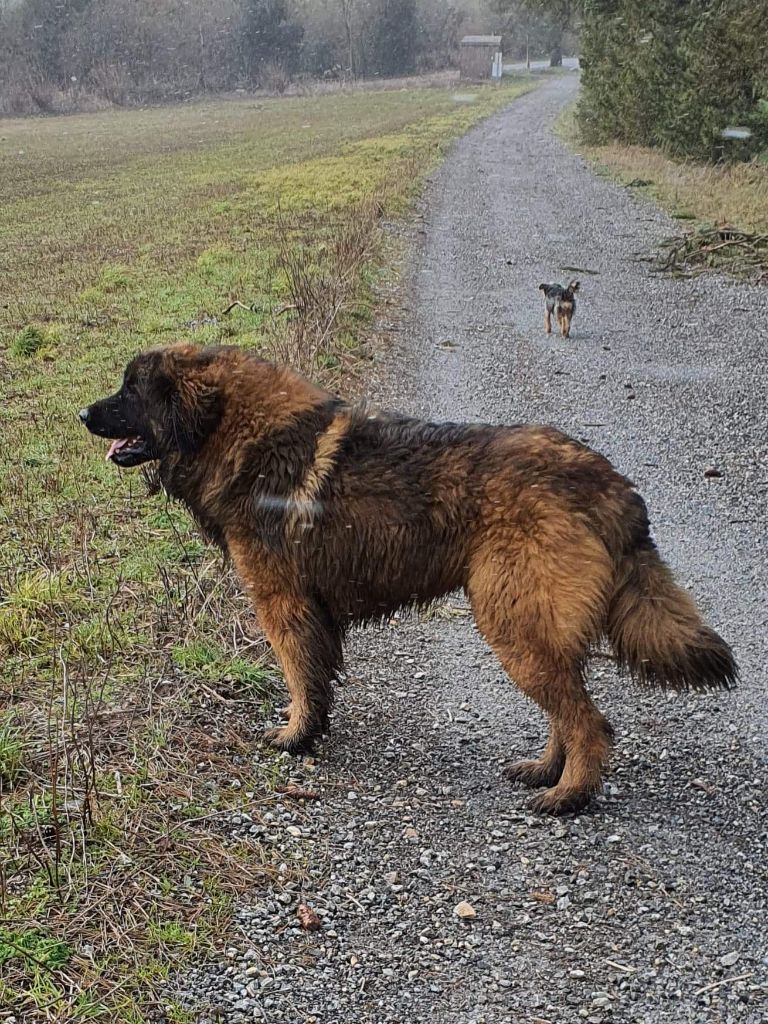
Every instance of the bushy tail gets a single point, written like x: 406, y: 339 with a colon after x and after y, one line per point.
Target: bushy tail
x: 657, y: 632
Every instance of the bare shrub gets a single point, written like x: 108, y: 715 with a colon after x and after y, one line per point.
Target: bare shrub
x: 111, y: 81
x: 273, y: 77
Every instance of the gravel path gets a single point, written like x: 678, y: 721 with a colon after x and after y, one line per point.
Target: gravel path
x: 652, y: 907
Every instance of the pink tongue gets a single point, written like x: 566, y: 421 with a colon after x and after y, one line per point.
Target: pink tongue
x: 116, y: 446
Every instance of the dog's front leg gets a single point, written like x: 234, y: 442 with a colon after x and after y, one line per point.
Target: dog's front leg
x: 308, y: 647
x: 302, y: 633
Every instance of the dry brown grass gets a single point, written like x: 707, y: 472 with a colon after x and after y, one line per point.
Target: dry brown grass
x: 733, y: 194
x: 723, y: 194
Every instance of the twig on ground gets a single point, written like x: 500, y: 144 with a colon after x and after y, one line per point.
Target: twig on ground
x: 725, y: 981
x: 621, y: 967
x: 737, y: 252
x: 254, y: 308
x: 296, y: 793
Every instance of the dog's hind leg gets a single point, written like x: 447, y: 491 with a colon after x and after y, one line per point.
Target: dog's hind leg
x: 539, y: 607
x: 310, y: 653
x: 580, y: 738
x: 548, y: 321
x: 545, y: 770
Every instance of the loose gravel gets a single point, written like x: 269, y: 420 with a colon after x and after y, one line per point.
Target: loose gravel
x: 440, y: 898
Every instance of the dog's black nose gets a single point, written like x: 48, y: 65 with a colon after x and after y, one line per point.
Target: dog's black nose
x: 83, y: 414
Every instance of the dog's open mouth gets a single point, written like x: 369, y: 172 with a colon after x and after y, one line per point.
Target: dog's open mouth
x: 129, y: 451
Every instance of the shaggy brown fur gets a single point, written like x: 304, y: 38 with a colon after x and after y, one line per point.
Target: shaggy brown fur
x: 335, y: 514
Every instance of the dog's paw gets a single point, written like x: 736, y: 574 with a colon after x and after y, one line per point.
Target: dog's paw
x: 533, y: 774
x: 283, y: 738
x: 285, y: 713
x: 559, y: 801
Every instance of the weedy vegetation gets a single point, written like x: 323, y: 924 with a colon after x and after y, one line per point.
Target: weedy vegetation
x: 722, y: 208
x: 134, y: 679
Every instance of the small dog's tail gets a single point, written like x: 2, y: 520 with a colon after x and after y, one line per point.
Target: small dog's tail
x: 657, y: 632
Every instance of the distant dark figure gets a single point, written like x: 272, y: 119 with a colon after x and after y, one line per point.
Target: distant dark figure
x: 562, y: 302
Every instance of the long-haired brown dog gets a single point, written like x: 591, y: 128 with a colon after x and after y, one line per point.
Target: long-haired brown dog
x: 334, y: 514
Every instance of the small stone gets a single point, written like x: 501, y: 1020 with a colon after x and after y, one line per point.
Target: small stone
x: 464, y: 910
x: 712, y: 473
x: 576, y: 973
x: 729, y: 959
x: 308, y: 919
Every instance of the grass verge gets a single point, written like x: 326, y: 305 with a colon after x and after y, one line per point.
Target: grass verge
x: 133, y: 674
x: 707, y: 197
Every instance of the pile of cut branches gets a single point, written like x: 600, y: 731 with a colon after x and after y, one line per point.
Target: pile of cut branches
x: 723, y: 248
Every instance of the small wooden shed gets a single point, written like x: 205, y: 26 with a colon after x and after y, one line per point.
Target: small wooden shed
x: 480, y: 58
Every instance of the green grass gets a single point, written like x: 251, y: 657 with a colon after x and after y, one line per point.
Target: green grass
x: 132, y: 664
x: 11, y: 754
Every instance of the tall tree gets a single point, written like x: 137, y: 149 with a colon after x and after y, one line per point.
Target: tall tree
x: 394, y: 38
x: 536, y: 25
x: 271, y: 34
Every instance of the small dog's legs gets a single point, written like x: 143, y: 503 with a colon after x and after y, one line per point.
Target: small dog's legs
x: 548, y: 321
x: 564, y: 317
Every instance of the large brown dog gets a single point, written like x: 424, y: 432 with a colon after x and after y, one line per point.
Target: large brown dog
x: 334, y: 514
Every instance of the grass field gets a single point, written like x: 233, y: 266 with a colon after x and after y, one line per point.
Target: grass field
x: 133, y: 675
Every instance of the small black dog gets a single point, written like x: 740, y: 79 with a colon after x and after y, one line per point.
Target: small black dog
x: 562, y: 302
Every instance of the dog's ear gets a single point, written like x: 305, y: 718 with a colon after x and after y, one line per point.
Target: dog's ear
x: 190, y: 401
x: 194, y: 412
x: 573, y: 286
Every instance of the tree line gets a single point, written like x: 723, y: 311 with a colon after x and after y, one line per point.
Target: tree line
x: 72, y: 53
x: 690, y: 76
